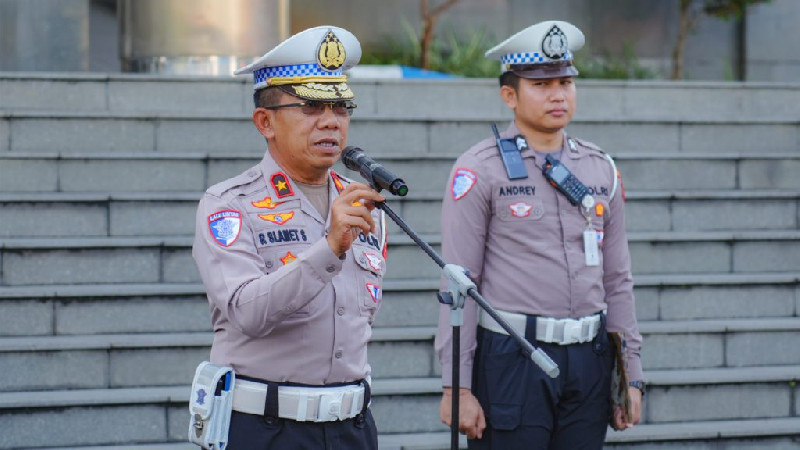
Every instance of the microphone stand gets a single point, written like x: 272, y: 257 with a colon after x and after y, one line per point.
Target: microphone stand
x: 459, y: 286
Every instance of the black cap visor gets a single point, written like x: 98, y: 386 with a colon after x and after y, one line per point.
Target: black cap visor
x: 556, y: 69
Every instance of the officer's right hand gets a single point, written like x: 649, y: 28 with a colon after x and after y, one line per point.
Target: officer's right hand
x: 471, y: 420
x: 350, y: 213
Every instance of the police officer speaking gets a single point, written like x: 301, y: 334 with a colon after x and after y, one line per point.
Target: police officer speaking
x: 537, y: 218
x: 292, y: 257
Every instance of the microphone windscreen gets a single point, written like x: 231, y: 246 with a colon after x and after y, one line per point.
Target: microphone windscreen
x: 350, y: 157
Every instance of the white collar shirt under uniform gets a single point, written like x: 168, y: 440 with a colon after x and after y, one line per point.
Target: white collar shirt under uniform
x: 522, y: 242
x: 284, y: 307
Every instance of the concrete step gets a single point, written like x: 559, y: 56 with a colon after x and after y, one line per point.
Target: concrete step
x: 117, y: 360
x: 32, y: 261
x: 42, y: 214
x: 83, y: 417
x: 463, y: 98
x: 761, y: 434
x: 755, y: 434
x: 156, y: 172
x: 177, y: 308
x: 402, y: 407
x: 435, y: 132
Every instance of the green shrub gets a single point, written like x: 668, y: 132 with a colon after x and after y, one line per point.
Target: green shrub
x: 625, y: 66
x: 451, y: 54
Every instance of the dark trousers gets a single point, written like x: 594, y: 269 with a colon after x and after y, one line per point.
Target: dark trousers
x: 526, y: 409
x: 251, y: 432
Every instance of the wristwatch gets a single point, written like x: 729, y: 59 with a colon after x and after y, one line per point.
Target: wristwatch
x: 639, y: 384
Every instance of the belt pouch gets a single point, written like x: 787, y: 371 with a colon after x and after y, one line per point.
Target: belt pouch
x: 210, y: 405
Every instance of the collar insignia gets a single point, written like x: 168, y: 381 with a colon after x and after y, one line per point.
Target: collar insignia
x: 337, y: 182
x: 281, y: 185
x: 331, y: 54
x: 279, y: 219
x: 554, y: 44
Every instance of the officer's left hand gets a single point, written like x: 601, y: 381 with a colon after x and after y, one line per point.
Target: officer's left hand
x: 620, y: 421
x: 350, y: 213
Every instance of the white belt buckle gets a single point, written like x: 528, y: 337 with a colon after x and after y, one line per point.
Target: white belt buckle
x: 330, y: 407
x: 572, y: 331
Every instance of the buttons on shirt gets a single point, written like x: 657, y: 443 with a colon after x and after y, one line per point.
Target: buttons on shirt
x: 338, y: 354
x: 340, y: 310
x: 331, y: 268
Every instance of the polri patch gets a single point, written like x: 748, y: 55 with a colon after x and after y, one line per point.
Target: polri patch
x: 520, y: 209
x: 281, y: 185
x: 278, y: 219
x: 225, y: 226
x: 463, y: 181
x: 374, y: 292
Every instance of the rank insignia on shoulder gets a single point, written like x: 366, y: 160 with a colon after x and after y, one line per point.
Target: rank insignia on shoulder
x: 266, y: 203
x: 374, y: 292
x: 288, y: 258
x: 281, y: 185
x: 520, y: 209
x: 278, y: 219
x: 225, y: 226
x: 463, y: 181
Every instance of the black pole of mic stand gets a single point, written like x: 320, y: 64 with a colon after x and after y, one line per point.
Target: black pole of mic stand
x: 459, y: 287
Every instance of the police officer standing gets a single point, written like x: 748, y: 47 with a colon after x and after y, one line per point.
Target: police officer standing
x: 292, y: 257
x: 557, y: 271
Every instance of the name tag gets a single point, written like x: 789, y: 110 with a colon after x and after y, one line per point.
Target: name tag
x: 590, y: 247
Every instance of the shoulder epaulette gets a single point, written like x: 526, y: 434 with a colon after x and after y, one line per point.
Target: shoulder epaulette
x: 588, y: 145
x: 242, y: 179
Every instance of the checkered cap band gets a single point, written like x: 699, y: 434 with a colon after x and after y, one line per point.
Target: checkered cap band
x: 296, y: 70
x: 531, y: 58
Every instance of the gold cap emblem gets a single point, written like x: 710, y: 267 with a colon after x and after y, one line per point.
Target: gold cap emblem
x: 331, y: 55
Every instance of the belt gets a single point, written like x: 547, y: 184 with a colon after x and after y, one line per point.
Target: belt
x: 303, y: 404
x: 548, y: 329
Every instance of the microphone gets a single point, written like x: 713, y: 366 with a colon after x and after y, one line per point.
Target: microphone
x: 355, y: 159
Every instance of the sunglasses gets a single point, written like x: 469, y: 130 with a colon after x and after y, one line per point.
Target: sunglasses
x: 316, y: 107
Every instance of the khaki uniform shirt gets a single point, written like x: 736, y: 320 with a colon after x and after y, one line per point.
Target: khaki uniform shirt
x: 522, y: 242
x: 284, y: 307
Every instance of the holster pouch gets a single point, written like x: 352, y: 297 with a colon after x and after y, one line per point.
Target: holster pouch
x: 619, y: 379
x: 210, y: 405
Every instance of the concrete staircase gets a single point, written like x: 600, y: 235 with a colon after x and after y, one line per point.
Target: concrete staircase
x: 103, y: 318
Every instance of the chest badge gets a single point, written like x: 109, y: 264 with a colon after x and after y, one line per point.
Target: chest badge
x: 225, y: 226
x: 463, y: 181
x: 266, y: 203
x: 520, y: 209
x: 374, y: 261
x: 375, y: 292
x: 279, y: 219
x: 288, y: 258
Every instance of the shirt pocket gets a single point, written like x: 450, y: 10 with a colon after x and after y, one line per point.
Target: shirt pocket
x: 277, y: 253
x: 370, y: 266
